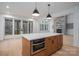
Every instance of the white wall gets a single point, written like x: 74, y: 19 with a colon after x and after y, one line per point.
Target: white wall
x: 73, y: 17
x: 35, y: 26
x: 51, y: 24
x: 70, y: 19
x: 76, y: 28
x: 64, y: 24
x: 1, y: 27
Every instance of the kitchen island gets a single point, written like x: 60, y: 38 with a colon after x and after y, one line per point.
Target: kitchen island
x: 41, y: 44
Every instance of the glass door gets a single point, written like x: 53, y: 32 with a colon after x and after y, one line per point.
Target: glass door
x: 30, y: 27
x: 8, y: 26
x: 25, y: 27
x: 17, y: 26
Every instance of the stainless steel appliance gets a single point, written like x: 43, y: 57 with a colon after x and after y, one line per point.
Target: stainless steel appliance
x: 59, y: 30
x: 37, y: 45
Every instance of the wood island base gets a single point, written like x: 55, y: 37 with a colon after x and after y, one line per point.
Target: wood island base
x: 52, y: 45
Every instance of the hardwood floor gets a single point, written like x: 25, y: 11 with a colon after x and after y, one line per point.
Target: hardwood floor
x: 67, y: 49
x: 68, y: 40
x: 11, y: 47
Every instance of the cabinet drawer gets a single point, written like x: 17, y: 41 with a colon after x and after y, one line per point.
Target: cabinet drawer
x: 41, y: 53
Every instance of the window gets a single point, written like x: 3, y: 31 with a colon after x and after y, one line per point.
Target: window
x: 17, y: 26
x: 8, y: 27
x: 44, y: 26
x: 25, y: 27
x: 30, y: 27
x: 69, y: 25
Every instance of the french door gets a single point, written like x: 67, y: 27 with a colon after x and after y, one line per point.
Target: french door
x: 16, y: 27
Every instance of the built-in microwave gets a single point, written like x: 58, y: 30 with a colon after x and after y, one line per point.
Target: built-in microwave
x: 37, y: 45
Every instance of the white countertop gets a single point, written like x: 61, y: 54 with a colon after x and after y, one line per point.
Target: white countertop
x: 31, y: 36
x: 34, y: 36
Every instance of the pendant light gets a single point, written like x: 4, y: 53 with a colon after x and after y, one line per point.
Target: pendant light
x: 48, y: 15
x: 36, y: 12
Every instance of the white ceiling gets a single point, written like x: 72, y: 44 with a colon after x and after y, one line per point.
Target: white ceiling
x: 26, y: 8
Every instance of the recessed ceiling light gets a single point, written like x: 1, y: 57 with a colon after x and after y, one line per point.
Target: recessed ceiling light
x: 7, y: 6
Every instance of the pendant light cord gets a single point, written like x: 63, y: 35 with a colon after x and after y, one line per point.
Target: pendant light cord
x: 49, y: 8
x: 35, y: 5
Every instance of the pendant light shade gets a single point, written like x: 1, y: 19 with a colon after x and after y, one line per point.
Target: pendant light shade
x: 48, y: 15
x: 35, y: 12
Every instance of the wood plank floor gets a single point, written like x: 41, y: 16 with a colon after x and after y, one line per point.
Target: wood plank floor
x: 67, y: 49
x: 11, y: 47
x: 68, y: 40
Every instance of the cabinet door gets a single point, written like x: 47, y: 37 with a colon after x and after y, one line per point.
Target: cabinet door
x: 54, y: 44
x: 48, y: 46
x: 60, y: 41
x: 51, y: 45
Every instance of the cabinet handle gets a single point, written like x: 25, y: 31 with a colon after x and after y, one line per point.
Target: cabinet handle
x: 52, y: 41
